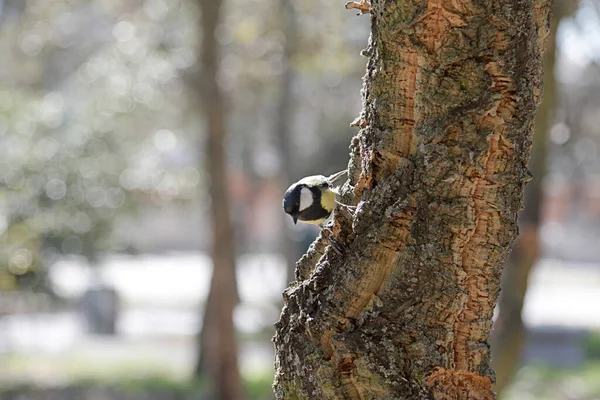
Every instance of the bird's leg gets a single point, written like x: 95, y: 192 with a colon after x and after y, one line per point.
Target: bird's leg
x: 363, y: 6
x: 348, y: 209
x: 328, y: 234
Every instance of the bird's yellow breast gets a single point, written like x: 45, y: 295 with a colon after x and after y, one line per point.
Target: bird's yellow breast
x: 328, y: 200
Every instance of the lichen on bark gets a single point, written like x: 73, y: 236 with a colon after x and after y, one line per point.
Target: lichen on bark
x: 437, y: 174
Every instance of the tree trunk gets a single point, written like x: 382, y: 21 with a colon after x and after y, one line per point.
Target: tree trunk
x: 508, y: 336
x: 437, y: 172
x: 217, y: 340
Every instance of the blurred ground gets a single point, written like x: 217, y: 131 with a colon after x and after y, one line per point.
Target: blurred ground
x: 159, y: 318
x: 156, y: 326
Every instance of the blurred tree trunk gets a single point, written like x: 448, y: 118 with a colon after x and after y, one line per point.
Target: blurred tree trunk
x: 508, y: 336
x: 282, y: 125
x: 218, y: 347
x: 438, y: 171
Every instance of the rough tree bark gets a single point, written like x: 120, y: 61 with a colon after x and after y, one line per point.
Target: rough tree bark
x: 218, y: 347
x: 437, y: 172
x: 508, y: 336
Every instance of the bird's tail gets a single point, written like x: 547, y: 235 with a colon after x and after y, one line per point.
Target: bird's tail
x: 336, y: 176
x: 332, y: 178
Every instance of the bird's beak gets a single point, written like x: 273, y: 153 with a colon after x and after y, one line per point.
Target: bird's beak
x: 295, y: 218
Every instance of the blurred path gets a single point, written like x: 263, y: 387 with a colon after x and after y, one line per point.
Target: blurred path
x: 161, y: 294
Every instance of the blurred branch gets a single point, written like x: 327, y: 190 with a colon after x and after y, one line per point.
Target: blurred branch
x: 283, y: 122
x: 509, y: 335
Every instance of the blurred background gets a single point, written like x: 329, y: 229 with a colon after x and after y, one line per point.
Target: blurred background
x: 132, y: 133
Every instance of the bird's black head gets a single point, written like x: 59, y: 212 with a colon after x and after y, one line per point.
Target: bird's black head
x: 291, y: 201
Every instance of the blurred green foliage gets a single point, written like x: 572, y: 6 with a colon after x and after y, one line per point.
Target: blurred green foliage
x: 83, y: 143
x: 147, y: 388
x: 592, y: 345
x: 95, y: 122
x: 544, y: 382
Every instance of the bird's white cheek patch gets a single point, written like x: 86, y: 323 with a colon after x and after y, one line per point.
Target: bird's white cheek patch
x: 306, y: 198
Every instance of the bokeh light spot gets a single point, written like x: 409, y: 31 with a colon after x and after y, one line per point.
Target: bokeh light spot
x: 56, y: 189
x: 189, y: 177
x: 52, y: 108
x: 165, y: 140
x: 46, y: 148
x: 76, y: 195
x: 124, y: 31
x: 6, y: 101
x: 143, y: 92
x: 3, y: 224
x: 156, y: 10
x: 127, y: 179
x: 31, y: 44
x: 96, y: 197
x: 560, y: 133
x: 3, y: 124
x: 81, y: 223
x: 115, y: 197
x: 20, y: 261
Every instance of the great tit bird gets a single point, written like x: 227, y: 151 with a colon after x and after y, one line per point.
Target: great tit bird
x: 312, y: 199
